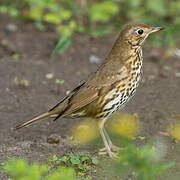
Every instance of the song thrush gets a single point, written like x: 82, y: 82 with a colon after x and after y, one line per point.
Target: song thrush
x: 110, y: 87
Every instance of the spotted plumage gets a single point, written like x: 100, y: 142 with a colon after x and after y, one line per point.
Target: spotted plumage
x: 110, y: 87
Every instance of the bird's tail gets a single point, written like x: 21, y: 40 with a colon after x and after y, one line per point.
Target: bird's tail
x: 56, y: 112
x: 36, y: 119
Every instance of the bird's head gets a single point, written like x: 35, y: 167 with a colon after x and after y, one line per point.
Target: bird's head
x: 136, y: 33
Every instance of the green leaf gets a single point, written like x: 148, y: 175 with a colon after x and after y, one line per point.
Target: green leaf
x: 95, y: 161
x: 157, y: 7
x: 39, y: 25
x: 63, y: 174
x: 88, y: 168
x: 36, y: 13
x: 142, y: 160
x: 66, y: 14
x: 169, y: 165
x: 142, y: 138
x: 3, y: 9
x: 99, y: 32
x: 167, y: 68
x: 16, y: 56
x: 103, y: 12
x: 73, y: 24
x: 62, y: 45
x: 64, y: 159
x: 15, y: 168
x: 52, y: 18
x: 81, y: 167
x: 13, y: 12
x: 53, y: 158
x: 64, y: 30
x: 59, y: 81
x: 85, y: 158
x: 74, y: 160
x: 134, y: 3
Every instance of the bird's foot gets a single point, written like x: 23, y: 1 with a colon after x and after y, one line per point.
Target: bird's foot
x: 109, y: 151
x: 112, y: 155
x: 112, y: 147
x: 115, y: 148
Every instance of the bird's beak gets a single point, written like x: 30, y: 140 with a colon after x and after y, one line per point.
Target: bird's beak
x: 155, y: 29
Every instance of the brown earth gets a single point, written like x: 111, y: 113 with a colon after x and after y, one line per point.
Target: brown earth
x: 157, y: 100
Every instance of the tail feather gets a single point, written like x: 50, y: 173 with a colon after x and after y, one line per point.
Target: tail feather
x: 55, y: 112
x: 38, y: 118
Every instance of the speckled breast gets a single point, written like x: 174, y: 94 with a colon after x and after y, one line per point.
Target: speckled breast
x: 125, y: 89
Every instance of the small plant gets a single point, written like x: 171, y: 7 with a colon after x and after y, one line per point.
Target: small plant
x: 53, y: 159
x: 167, y: 68
x: 69, y: 167
x: 59, y: 82
x: 82, y: 163
x: 142, y: 161
x: 16, y: 56
x: 19, y: 169
x: 142, y: 138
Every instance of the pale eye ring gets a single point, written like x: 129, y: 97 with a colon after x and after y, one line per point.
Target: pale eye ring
x: 140, y: 31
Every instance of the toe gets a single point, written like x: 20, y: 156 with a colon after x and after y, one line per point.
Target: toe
x: 102, y: 149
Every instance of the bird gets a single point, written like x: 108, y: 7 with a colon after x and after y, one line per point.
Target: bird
x: 110, y: 87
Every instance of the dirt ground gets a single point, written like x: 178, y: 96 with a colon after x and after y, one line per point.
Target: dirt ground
x: 157, y: 100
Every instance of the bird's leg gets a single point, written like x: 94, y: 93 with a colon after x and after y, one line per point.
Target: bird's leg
x: 112, y: 146
x: 107, y: 147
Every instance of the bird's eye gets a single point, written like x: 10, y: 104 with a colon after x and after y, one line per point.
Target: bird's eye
x: 140, y: 31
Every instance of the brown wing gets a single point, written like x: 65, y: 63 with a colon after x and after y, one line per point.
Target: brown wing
x: 81, y: 96
x: 80, y: 99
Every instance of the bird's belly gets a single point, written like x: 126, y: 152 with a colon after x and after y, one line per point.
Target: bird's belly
x: 117, y: 99
x: 117, y: 103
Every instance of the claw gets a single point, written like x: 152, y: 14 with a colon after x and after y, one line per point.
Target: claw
x: 113, y: 155
x: 113, y: 148
x: 110, y: 153
x: 102, y: 153
x: 105, y: 151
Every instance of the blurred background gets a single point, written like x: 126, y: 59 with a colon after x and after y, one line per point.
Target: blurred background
x: 96, y: 18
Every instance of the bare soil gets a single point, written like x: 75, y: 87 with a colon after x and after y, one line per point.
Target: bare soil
x: 157, y: 101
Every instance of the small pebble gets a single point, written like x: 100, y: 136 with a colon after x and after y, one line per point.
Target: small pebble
x: 53, y: 139
x: 44, y: 82
x: 163, y: 74
x: 177, y: 52
x: 4, y: 42
x: 67, y: 92
x: 94, y: 59
x: 49, y: 75
x: 151, y: 77
x: 7, y: 89
x: 177, y: 74
x: 11, y: 28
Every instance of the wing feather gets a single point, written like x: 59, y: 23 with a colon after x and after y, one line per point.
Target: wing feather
x: 84, y: 97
